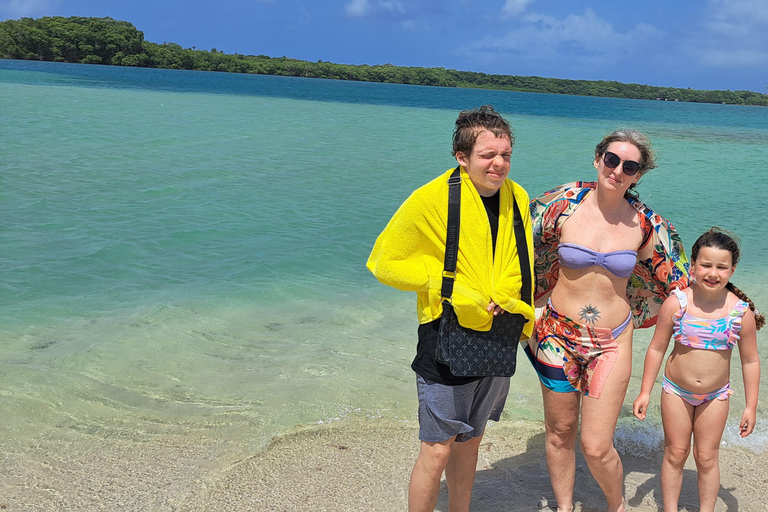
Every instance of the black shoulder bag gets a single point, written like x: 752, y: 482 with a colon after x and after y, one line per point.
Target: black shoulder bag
x: 467, y: 352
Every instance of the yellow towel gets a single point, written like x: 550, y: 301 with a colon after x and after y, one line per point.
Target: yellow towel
x: 409, y: 253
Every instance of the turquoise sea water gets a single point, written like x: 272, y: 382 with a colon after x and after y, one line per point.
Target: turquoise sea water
x: 182, y: 253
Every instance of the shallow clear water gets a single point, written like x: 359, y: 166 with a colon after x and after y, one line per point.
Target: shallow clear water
x: 182, y: 253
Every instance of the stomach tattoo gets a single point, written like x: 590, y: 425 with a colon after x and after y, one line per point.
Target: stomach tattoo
x: 589, y: 314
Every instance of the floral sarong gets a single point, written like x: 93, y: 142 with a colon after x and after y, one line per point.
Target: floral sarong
x: 569, y: 356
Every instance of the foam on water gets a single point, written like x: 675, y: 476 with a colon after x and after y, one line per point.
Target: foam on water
x: 638, y: 438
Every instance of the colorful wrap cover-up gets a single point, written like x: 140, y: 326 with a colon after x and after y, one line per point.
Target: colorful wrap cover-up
x: 566, y: 355
x: 653, y: 278
x: 570, y: 356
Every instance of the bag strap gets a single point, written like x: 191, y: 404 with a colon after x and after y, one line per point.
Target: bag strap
x: 452, y: 236
x: 452, y: 241
x: 522, y: 255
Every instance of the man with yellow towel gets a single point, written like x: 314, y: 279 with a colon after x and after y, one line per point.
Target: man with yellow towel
x: 409, y: 255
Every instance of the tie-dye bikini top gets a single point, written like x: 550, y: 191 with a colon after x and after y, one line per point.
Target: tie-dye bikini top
x: 707, y: 333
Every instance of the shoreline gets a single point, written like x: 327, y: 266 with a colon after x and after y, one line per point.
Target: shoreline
x: 359, y: 464
x: 199, y: 61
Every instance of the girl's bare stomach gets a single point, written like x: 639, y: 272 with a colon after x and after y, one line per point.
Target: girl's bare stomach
x: 698, y: 370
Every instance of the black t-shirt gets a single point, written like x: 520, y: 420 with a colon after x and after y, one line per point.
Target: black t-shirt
x: 425, y: 363
x: 492, y: 209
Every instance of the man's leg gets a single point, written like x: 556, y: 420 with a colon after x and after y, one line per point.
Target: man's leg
x: 487, y: 403
x: 444, y: 411
x: 460, y: 474
x: 424, y: 487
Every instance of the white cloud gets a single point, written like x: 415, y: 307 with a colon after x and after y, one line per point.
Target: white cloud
x: 364, y: 8
x: 718, y: 44
x: 514, y: 8
x: 392, y: 6
x: 745, y: 12
x: 27, y: 8
x: 736, y: 18
x: 358, y: 8
x: 585, y: 38
x: 734, y: 58
x: 391, y: 12
x: 733, y: 34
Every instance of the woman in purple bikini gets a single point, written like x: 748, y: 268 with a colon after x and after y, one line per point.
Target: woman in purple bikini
x: 604, y: 264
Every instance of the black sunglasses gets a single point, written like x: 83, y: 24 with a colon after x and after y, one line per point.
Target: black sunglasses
x: 612, y: 161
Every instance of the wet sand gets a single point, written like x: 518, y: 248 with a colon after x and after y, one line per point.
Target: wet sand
x: 344, y: 466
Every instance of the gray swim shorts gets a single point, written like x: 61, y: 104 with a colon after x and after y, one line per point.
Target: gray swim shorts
x: 461, y: 411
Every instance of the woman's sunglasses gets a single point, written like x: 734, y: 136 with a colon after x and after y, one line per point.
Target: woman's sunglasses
x: 612, y: 161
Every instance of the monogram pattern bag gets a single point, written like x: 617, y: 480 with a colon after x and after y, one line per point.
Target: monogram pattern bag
x: 467, y: 352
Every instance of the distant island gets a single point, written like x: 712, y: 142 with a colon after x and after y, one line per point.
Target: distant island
x: 119, y: 43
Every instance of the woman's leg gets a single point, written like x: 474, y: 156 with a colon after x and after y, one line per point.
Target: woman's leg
x: 708, y: 425
x: 561, y: 421
x: 677, y: 417
x: 598, y: 424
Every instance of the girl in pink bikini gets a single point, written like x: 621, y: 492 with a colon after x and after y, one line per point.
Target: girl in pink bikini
x: 706, y: 321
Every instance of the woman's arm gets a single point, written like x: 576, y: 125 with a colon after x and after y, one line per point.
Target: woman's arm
x: 543, y: 299
x: 655, y: 355
x: 750, y: 369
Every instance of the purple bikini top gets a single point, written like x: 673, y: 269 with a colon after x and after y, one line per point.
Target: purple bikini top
x: 618, y: 263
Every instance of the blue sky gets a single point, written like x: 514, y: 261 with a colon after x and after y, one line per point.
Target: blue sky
x: 702, y: 44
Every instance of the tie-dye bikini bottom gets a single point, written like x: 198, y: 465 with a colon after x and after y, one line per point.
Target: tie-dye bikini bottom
x: 696, y: 398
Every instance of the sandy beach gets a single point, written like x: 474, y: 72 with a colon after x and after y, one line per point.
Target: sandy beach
x: 344, y: 466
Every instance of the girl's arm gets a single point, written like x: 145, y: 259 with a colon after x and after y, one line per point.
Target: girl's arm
x: 655, y: 355
x: 750, y: 369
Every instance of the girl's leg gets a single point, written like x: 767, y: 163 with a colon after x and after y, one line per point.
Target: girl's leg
x: 598, y: 424
x: 708, y: 425
x: 561, y: 422
x: 677, y: 417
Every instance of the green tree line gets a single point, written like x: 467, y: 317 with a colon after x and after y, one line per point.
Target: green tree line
x: 119, y: 43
